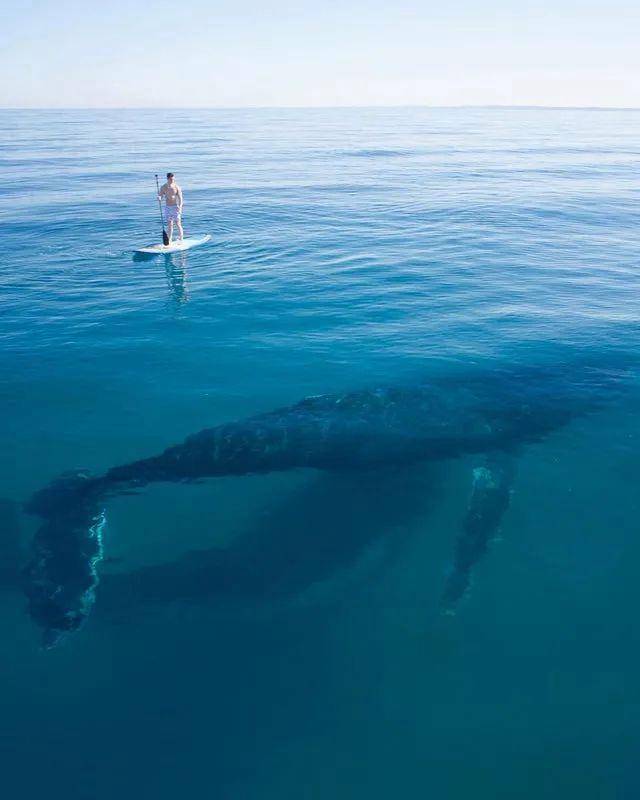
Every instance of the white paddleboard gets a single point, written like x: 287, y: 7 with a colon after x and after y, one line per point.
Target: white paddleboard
x: 175, y: 247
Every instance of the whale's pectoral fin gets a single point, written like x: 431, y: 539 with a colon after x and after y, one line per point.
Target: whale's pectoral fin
x: 490, y: 497
x: 61, y: 575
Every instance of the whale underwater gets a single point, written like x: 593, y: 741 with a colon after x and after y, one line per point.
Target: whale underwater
x: 376, y: 436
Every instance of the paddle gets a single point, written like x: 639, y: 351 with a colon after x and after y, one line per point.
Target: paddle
x: 165, y: 238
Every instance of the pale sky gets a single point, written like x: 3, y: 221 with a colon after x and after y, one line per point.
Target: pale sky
x: 127, y: 53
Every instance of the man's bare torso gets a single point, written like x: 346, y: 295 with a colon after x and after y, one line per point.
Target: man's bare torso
x: 171, y: 193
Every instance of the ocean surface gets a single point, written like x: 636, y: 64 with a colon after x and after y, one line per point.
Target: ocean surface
x: 352, y: 249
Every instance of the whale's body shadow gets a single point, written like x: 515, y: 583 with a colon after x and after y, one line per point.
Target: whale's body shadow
x: 338, y: 526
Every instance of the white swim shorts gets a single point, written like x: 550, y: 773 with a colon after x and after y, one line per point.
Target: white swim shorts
x: 171, y: 213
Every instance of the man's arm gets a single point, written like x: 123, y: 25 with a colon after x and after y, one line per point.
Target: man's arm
x: 180, y: 200
x: 163, y: 191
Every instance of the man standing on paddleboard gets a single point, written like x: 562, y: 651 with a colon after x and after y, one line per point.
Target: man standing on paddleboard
x: 172, y: 195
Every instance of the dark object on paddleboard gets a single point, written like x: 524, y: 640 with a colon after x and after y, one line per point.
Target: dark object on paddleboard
x: 176, y: 246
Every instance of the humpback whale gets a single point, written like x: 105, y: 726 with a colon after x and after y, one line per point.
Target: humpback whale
x: 490, y: 414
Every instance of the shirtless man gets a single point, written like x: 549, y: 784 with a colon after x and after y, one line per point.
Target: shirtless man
x: 172, y: 194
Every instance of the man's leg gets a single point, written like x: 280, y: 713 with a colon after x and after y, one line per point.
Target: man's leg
x: 179, y: 224
x: 170, y: 231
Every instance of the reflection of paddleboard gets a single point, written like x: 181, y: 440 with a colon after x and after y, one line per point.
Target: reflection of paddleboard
x: 175, y: 247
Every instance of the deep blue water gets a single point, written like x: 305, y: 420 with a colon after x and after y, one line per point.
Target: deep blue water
x: 351, y: 248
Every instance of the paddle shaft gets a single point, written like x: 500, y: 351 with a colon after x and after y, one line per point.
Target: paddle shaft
x: 165, y: 238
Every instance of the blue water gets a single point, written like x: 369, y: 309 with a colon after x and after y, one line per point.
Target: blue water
x: 351, y: 248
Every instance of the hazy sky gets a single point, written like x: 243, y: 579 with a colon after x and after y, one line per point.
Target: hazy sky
x: 326, y: 52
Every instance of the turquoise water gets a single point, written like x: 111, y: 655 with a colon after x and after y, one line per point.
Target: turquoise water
x: 351, y: 248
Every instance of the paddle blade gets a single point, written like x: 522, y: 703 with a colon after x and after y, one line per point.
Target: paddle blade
x: 165, y: 238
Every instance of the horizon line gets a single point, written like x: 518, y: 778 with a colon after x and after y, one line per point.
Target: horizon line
x: 515, y: 106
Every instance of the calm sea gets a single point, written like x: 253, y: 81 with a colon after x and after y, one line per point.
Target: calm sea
x: 351, y: 248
